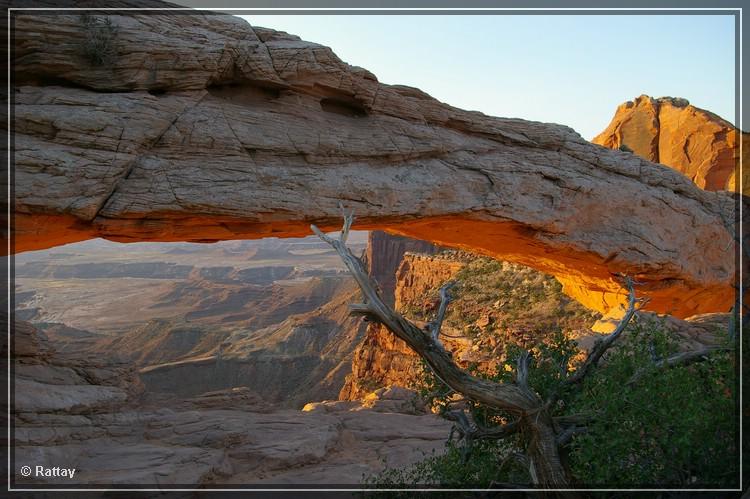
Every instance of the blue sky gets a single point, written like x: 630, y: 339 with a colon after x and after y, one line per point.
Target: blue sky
x: 568, y: 69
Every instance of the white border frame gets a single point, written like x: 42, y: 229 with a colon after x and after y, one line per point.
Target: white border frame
x: 739, y: 180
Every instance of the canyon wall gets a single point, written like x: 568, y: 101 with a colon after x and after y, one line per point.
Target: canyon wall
x: 384, y: 255
x: 303, y: 358
x: 270, y: 316
x: 382, y: 359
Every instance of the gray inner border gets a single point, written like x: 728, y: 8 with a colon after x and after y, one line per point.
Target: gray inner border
x: 537, y: 7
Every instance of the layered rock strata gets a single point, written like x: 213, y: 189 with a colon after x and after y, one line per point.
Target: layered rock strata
x: 671, y: 131
x: 203, y: 128
x: 94, y: 417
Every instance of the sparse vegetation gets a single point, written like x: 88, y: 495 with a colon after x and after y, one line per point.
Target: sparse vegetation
x: 100, y: 37
x: 369, y: 384
x: 497, y: 304
x: 518, y: 296
x: 530, y: 407
x: 673, y: 427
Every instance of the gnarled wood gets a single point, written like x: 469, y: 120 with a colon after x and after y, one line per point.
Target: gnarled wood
x: 679, y: 359
x: 542, y: 434
x: 545, y: 467
x: 511, y: 398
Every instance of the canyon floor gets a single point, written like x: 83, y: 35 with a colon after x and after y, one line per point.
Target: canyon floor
x: 270, y: 315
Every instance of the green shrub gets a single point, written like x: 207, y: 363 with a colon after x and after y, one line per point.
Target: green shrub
x: 450, y: 469
x: 674, y: 427
x: 99, y: 43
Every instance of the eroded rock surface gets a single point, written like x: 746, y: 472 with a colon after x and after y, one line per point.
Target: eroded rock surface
x: 382, y: 359
x: 384, y: 255
x: 65, y: 415
x: 204, y: 128
x: 673, y: 132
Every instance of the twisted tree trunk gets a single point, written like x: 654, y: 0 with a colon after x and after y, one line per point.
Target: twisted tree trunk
x: 545, y: 467
x: 518, y: 399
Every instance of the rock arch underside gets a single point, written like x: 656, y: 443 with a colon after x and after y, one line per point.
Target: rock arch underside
x: 203, y: 128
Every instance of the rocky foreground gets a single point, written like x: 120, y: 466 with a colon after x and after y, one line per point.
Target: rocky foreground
x: 94, y: 417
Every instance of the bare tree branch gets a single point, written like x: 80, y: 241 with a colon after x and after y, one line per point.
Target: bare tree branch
x: 446, y: 335
x: 602, y: 345
x: 678, y: 359
x: 476, y: 431
x: 574, y: 419
x: 359, y: 309
x: 348, y: 221
x: 469, y: 430
x: 503, y: 396
x: 545, y: 465
x: 355, y: 266
x: 322, y: 235
x: 522, y: 368
x: 567, y: 435
x: 436, y: 325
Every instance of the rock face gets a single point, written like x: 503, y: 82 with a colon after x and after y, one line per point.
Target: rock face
x: 47, y: 383
x: 203, y: 128
x: 387, y: 399
x: 384, y: 255
x: 419, y: 273
x: 305, y: 357
x: 670, y: 131
x: 504, y: 303
x: 382, y: 359
x: 390, y: 260
x: 296, y: 347
x: 95, y: 418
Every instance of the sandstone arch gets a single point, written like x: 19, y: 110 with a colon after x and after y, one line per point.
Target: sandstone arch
x: 253, y: 133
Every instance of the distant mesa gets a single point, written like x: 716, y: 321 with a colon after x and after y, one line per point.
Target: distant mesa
x: 671, y: 131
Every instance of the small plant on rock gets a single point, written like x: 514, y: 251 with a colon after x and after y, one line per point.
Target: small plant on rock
x: 99, y: 43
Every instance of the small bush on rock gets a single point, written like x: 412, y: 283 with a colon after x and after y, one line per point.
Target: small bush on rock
x: 99, y: 43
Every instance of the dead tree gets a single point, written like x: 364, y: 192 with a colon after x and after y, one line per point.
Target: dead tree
x: 542, y: 434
